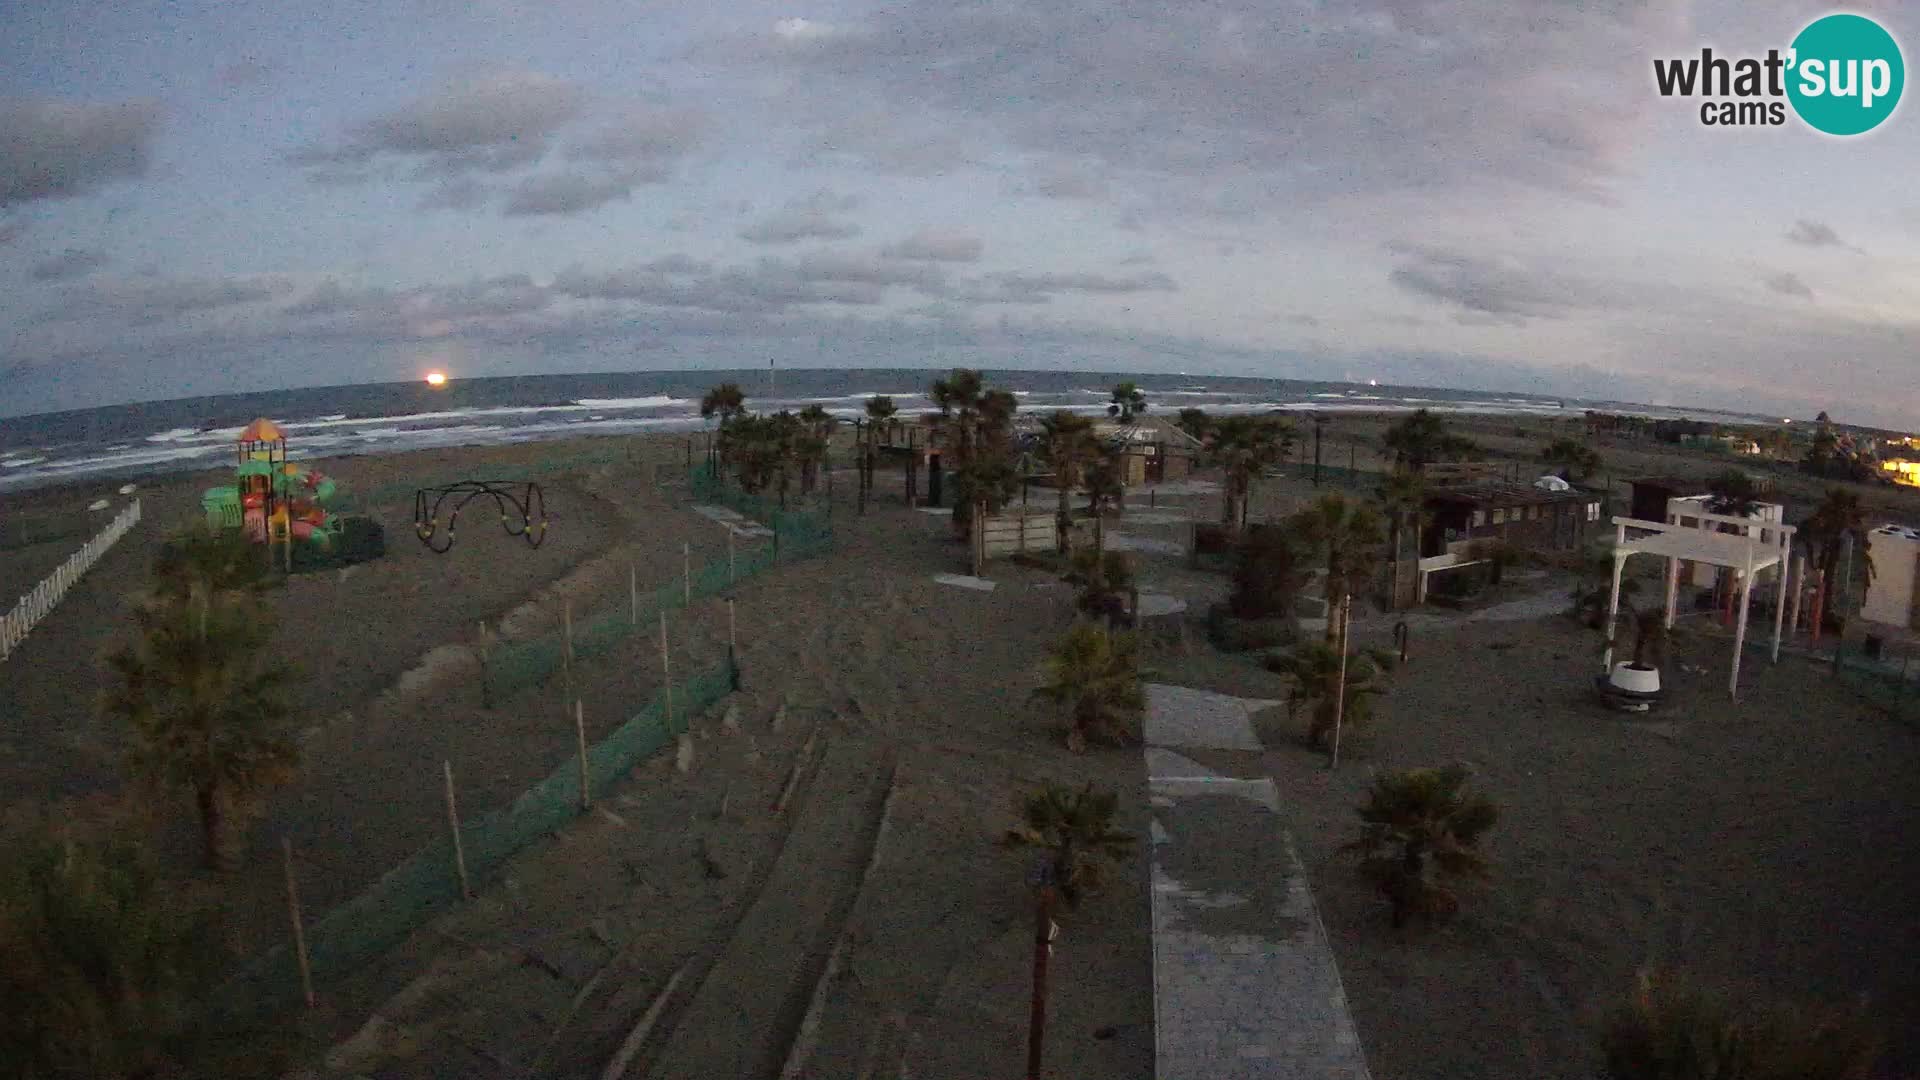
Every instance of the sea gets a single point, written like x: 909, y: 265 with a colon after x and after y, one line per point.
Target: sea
x: 187, y: 434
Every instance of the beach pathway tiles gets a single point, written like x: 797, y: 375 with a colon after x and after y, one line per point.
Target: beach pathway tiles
x: 732, y: 520
x: 1244, y: 982
x: 937, y: 511
x: 1180, y: 716
x: 964, y: 581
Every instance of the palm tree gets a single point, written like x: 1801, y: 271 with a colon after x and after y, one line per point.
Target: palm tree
x: 1421, y: 439
x: 1066, y: 442
x: 1671, y: 1029
x: 959, y: 397
x: 1076, y: 829
x: 725, y: 401
x: 1128, y: 402
x: 1733, y: 493
x: 1104, y: 578
x: 1104, y: 489
x: 1195, y: 422
x: 1244, y: 446
x: 812, y: 436
x: 1314, y: 671
x: 1403, y: 495
x: 1840, y: 515
x: 205, y: 711
x: 1577, y: 461
x: 1348, y: 536
x: 979, y: 421
x: 1420, y: 828
x: 1266, y: 574
x: 1093, y: 678
x: 880, y: 417
x: 101, y: 958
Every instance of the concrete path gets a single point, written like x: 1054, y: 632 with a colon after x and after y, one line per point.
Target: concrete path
x: 1245, y: 985
x: 732, y: 521
x: 965, y: 581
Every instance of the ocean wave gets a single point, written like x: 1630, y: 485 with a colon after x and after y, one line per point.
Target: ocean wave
x: 659, y: 401
x: 173, y: 434
x: 15, y: 463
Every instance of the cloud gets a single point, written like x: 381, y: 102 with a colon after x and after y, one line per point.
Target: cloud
x: 456, y: 193
x: 678, y: 264
x: 58, y: 149
x: 1085, y: 283
x: 572, y: 193
x: 148, y: 300
x: 1489, y: 289
x: 71, y: 263
x: 790, y: 226
x: 490, y: 123
x: 643, y: 133
x: 1814, y: 234
x: 1247, y: 101
x: 1789, y: 284
x: 937, y: 245
x: 1064, y: 181
x: 243, y: 74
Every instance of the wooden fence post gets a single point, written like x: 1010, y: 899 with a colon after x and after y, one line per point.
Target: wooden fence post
x: 566, y: 647
x: 686, y: 573
x: 453, y: 823
x: 633, y: 596
x: 666, y: 674
x: 299, y: 931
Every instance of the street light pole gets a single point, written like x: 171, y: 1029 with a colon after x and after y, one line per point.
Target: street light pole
x: 1319, y: 426
x: 1043, y: 933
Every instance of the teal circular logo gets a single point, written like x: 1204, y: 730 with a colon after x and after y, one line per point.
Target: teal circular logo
x: 1845, y: 74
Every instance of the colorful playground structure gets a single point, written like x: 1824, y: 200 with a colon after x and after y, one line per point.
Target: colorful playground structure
x: 275, y: 501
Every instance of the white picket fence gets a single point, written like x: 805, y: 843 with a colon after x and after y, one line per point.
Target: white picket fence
x: 15, y: 625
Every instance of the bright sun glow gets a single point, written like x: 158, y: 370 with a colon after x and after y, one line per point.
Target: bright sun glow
x: 435, y: 378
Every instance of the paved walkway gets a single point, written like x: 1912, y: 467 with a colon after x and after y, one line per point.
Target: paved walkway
x: 1244, y: 983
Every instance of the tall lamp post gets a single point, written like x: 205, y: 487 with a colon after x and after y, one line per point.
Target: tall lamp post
x: 1044, y: 931
x: 1319, y: 427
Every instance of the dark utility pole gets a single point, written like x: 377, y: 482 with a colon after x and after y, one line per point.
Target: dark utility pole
x: 1043, y: 931
x: 1319, y: 426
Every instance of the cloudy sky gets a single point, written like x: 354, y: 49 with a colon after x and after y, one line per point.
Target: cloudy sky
x: 201, y: 197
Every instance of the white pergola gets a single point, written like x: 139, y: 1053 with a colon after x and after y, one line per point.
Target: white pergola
x: 1756, y: 547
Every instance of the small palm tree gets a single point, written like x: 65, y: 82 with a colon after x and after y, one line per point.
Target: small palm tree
x: 881, y: 416
x: 1314, y: 671
x: 726, y: 402
x: 204, y: 708
x: 1244, y: 446
x: 1594, y: 586
x: 1128, y: 403
x: 1196, y: 423
x: 1266, y: 574
x: 1422, y: 438
x: 1076, y: 829
x: 1421, y: 828
x: 811, y: 439
x: 1093, y: 679
x: 203, y: 558
x: 1066, y: 442
x: 101, y: 958
x: 1403, y: 496
x: 1670, y: 1029
x: 1104, y: 579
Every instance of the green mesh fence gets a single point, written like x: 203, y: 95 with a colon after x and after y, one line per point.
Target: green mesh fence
x: 798, y: 533
x: 1332, y: 475
x: 1890, y: 684
x: 427, y: 884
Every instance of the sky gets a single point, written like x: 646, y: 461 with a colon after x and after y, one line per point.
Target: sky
x: 201, y: 197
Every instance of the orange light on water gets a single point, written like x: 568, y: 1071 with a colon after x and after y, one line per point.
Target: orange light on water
x: 436, y: 378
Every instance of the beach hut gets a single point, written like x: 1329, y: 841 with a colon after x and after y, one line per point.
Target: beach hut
x: 1522, y: 515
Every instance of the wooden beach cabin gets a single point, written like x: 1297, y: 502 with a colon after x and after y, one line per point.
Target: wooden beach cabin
x: 1518, y: 514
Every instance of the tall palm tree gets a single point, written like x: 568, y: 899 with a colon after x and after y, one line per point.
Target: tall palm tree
x: 1420, y: 827
x: 1348, y: 537
x: 1840, y: 515
x: 1244, y: 446
x: 880, y: 417
x: 958, y: 397
x: 1076, y: 829
x: 1066, y: 442
x: 1403, y: 495
x: 1314, y: 670
x: 205, y: 708
x: 101, y: 958
x: 811, y: 439
x: 1128, y: 402
x: 1102, y: 480
x: 1093, y: 678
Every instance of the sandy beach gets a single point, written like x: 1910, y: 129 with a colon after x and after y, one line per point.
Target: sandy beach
x: 1760, y: 843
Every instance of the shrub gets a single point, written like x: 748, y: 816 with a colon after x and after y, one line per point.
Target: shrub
x: 1230, y: 634
x: 1669, y: 1029
x: 1266, y: 574
x: 1422, y: 829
